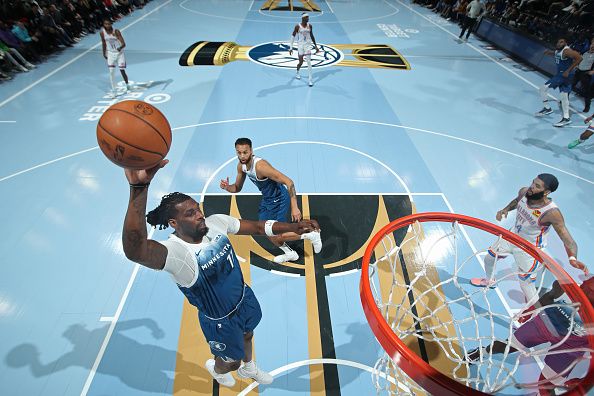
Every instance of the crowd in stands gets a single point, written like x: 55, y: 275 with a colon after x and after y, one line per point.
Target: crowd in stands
x: 545, y: 20
x: 32, y: 30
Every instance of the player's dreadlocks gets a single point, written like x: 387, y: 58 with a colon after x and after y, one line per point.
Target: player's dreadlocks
x: 166, y: 210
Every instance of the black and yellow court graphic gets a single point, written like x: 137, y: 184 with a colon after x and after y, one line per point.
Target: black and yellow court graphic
x: 276, y: 54
x: 348, y: 223
x: 290, y: 5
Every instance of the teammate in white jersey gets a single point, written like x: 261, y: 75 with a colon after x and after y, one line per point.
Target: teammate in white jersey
x: 535, y: 214
x: 113, y: 50
x: 303, y: 36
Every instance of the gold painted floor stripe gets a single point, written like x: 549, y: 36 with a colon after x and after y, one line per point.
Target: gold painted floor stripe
x: 437, y: 357
x: 316, y: 372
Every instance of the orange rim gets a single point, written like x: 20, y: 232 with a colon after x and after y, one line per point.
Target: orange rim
x: 416, y: 368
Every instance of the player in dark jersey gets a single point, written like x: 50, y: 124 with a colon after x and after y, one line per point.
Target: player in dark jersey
x: 278, y: 197
x: 201, y: 260
x: 567, y: 60
x: 551, y: 320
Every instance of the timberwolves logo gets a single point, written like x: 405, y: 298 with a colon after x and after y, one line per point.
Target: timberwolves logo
x: 277, y: 55
x: 217, y: 346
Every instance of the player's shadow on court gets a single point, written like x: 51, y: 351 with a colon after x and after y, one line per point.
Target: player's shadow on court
x: 293, y: 83
x: 503, y: 107
x: 138, y: 365
x: 361, y: 348
x: 560, y: 151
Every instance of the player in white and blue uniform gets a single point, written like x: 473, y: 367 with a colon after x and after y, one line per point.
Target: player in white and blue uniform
x: 201, y: 260
x: 304, y: 38
x: 279, y: 197
x: 113, y: 45
x: 567, y: 60
x: 536, y: 213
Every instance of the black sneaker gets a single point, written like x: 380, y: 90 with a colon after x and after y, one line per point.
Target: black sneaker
x: 545, y: 111
x: 586, y: 108
x: 562, y: 123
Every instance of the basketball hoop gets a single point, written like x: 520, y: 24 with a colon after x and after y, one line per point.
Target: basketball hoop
x: 441, y: 315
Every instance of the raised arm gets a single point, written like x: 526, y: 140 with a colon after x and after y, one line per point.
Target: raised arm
x: 238, y: 185
x: 119, y: 36
x: 137, y: 246
x: 264, y: 169
x: 512, y: 205
x: 555, y: 218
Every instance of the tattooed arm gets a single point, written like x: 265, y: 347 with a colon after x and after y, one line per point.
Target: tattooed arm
x: 137, y: 246
x: 264, y: 169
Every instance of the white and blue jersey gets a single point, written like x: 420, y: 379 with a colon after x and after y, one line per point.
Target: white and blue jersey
x: 275, y: 203
x: 209, y: 275
x: 563, y: 64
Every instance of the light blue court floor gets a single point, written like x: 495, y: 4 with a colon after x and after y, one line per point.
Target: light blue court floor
x: 455, y: 133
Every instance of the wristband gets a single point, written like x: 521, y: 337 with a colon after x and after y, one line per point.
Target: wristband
x: 268, y: 227
x: 139, y: 185
x: 572, y: 258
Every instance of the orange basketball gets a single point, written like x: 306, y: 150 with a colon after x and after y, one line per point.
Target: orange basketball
x: 134, y: 134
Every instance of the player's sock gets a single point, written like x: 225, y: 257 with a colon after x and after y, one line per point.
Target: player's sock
x: 529, y: 290
x: 565, y: 104
x: 112, y: 78
x: 544, y: 95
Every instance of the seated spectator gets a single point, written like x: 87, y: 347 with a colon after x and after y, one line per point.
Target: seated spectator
x: 12, y: 41
x: 8, y: 53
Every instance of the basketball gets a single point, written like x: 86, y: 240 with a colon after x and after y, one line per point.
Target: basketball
x: 134, y: 134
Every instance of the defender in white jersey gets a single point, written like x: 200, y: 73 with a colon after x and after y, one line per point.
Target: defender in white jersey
x: 535, y: 215
x: 201, y: 260
x: 303, y: 36
x: 113, y: 51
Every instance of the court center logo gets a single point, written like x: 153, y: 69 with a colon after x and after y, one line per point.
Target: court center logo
x: 276, y: 54
x: 217, y: 346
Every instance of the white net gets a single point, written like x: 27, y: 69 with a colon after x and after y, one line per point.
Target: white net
x: 420, y: 280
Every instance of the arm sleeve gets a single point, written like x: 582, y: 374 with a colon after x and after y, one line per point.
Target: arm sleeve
x: 180, y: 264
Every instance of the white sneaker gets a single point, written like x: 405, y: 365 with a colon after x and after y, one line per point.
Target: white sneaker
x: 298, y: 76
x: 250, y: 370
x: 310, y: 83
x: 223, y: 379
x: 286, y: 257
x: 316, y: 240
x: 112, y: 95
x: 30, y: 66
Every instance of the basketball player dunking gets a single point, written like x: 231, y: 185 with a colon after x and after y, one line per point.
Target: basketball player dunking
x: 278, y: 197
x: 201, y: 260
x: 535, y: 214
x: 303, y: 36
x: 113, y: 50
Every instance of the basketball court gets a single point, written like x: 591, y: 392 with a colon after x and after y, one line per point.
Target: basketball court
x: 402, y: 119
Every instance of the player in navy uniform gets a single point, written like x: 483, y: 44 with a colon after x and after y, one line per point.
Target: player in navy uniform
x: 567, y: 60
x: 278, y: 197
x: 201, y: 260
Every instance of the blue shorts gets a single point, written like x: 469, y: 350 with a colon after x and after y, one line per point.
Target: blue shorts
x: 275, y: 209
x: 563, y: 83
x: 225, y: 336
